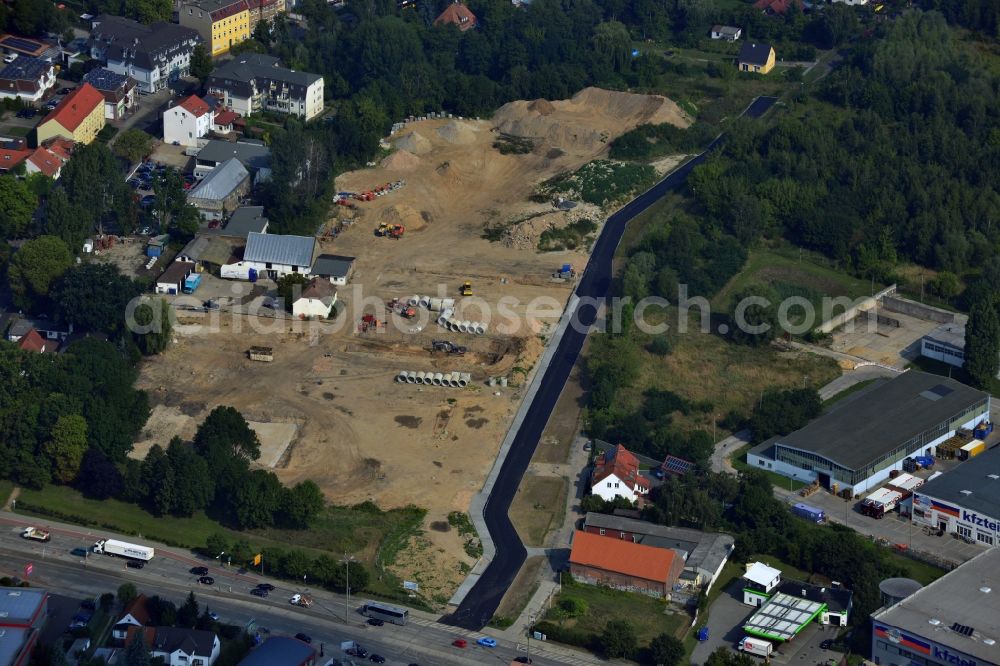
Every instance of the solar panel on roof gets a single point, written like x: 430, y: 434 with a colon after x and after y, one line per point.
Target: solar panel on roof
x: 941, y: 390
x: 23, y: 44
x: 677, y: 466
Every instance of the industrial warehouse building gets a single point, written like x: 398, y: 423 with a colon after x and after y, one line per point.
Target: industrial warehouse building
x: 965, y: 501
x: 786, y: 607
x: 23, y: 612
x: 955, y: 620
x: 860, y: 442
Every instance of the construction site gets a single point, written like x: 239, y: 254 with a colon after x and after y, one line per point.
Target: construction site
x: 409, y: 406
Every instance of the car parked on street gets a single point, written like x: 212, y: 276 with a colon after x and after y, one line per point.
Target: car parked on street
x: 376, y: 659
x: 199, y: 571
x: 135, y: 564
x: 487, y: 642
x: 375, y: 622
x: 206, y: 580
x: 265, y: 586
x: 78, y: 552
x: 259, y: 592
x: 460, y: 643
x: 357, y: 651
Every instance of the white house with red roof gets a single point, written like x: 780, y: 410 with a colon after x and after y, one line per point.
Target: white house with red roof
x: 616, y: 474
x: 187, y: 122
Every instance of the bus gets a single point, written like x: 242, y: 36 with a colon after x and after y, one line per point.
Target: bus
x: 385, y: 612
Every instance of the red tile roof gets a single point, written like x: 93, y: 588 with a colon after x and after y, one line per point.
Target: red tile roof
x: 226, y: 117
x: 620, y: 462
x: 624, y: 557
x: 776, y: 6
x: 46, y: 161
x: 61, y: 147
x: 458, y: 14
x: 195, y: 105
x: 229, y: 9
x: 11, y: 158
x: 137, y: 609
x: 75, y: 107
x: 32, y: 341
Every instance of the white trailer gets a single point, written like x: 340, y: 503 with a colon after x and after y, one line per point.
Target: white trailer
x: 129, y: 551
x: 757, y: 646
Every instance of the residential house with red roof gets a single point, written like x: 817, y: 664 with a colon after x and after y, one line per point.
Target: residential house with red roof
x: 616, y: 474
x: 11, y: 155
x: 777, y: 7
x: 191, y: 119
x: 458, y: 15
x: 135, y: 614
x: 624, y: 565
x: 34, y: 342
x: 45, y: 162
x: 79, y: 117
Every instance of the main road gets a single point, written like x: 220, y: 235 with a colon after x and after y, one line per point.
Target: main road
x: 482, y: 600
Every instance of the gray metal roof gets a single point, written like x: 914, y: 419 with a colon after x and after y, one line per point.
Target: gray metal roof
x: 970, y: 485
x: 246, y: 219
x: 705, y: 550
x: 220, y: 181
x: 20, y: 604
x: 967, y: 596
x: 274, y: 249
x: 105, y: 79
x: 251, y: 155
x: 948, y: 334
x: 332, y: 265
x: 13, y: 641
x: 890, y: 415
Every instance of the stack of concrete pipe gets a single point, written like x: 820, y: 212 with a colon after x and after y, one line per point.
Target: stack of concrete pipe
x: 431, y: 303
x: 445, y: 379
x: 445, y: 307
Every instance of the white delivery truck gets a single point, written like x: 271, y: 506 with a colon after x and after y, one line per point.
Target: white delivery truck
x: 757, y: 646
x: 35, y: 534
x: 129, y: 551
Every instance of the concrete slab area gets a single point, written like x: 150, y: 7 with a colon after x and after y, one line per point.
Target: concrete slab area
x: 274, y: 440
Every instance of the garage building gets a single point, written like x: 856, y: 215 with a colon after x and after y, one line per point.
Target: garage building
x: 859, y: 443
x: 953, y: 621
x: 624, y: 565
x: 964, y: 501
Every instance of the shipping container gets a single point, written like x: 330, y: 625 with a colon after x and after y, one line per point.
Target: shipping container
x: 983, y: 430
x: 756, y: 646
x: 906, y: 483
x: 972, y: 449
x: 191, y: 283
x: 808, y: 512
x: 881, y: 502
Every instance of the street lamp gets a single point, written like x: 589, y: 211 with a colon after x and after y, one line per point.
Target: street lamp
x: 347, y: 559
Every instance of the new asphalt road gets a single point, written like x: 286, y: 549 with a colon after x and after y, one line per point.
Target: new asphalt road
x: 483, y: 599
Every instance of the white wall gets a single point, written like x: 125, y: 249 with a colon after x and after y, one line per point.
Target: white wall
x: 931, y: 349
x: 310, y: 307
x: 611, y: 487
x: 182, y: 126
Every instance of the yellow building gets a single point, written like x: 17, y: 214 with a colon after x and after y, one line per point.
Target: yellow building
x: 758, y: 58
x: 221, y: 23
x: 79, y: 117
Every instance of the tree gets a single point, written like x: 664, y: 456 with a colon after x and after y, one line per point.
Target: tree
x: 618, y: 639
x: 157, y: 328
x: 94, y: 297
x: 781, y: 412
x: 982, y: 343
x: 201, y: 63
x: 66, y: 447
x: 17, y: 207
x: 136, y: 652
x: 225, y: 434
x: 148, y: 11
x: 133, y: 144
x: 65, y: 220
x: 126, y: 593
x: 301, y: 503
x: 289, y: 288
x: 34, y: 267
x: 666, y: 650
x: 254, y: 502
x: 194, y: 485
x: 754, y: 320
x: 187, y: 614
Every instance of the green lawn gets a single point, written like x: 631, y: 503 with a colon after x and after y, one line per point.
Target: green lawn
x: 372, y: 535
x: 923, y: 573
x: 786, y: 265
x: 837, y: 397
x: 644, y: 613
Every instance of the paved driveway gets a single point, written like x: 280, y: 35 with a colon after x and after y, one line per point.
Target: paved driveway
x: 725, y: 622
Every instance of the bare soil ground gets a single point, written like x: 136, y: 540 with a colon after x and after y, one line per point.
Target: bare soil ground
x: 538, y: 507
x: 523, y: 588
x: 358, y: 433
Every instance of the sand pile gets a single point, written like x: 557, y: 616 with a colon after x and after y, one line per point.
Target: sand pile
x: 414, y: 142
x: 409, y: 217
x: 586, y: 123
x: 457, y: 132
x: 401, y: 160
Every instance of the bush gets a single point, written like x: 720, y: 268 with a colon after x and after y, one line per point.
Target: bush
x: 601, y: 181
x: 569, y: 237
x: 572, y: 606
x: 660, y: 345
x: 567, y: 635
x: 647, y: 142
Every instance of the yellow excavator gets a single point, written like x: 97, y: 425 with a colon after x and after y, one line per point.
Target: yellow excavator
x: 466, y: 288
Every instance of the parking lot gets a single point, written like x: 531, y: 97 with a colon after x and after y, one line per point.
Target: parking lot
x: 727, y: 616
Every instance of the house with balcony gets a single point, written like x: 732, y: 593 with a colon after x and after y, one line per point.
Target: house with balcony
x: 153, y: 54
x: 27, y: 79
x: 252, y: 83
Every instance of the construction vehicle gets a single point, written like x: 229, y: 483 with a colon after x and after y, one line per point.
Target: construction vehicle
x: 369, y: 323
x: 301, y: 600
x: 448, y: 347
x: 390, y: 230
x: 402, y: 309
x: 466, y: 288
x: 365, y: 196
x: 35, y: 534
x: 264, y: 354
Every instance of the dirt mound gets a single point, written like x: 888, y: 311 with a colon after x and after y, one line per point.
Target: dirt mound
x: 542, y: 106
x: 414, y: 142
x: 410, y: 218
x: 401, y: 160
x: 457, y: 132
x: 586, y: 123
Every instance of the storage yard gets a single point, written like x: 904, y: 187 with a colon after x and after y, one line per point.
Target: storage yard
x: 333, y: 405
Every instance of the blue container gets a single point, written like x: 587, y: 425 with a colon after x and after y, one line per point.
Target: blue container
x: 703, y: 634
x: 566, y: 268
x: 809, y: 512
x: 252, y: 274
x: 924, y: 461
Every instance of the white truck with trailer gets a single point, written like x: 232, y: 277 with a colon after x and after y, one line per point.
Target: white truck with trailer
x: 757, y: 646
x: 130, y: 551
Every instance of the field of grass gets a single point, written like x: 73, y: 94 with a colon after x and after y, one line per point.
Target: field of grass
x: 519, y: 593
x: 645, y: 614
x: 5, y: 489
x: 538, y: 507
x: 373, y: 536
x: 785, y: 266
